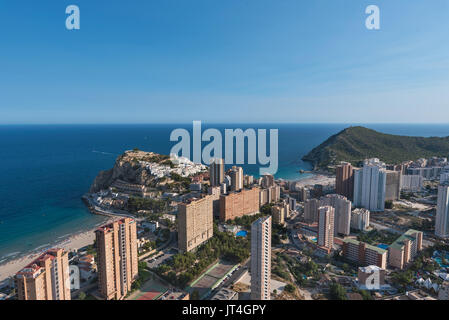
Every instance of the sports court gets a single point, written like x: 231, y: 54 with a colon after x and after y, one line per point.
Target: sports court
x: 150, y: 290
x: 211, y: 277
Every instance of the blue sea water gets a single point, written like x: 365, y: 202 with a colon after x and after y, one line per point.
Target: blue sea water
x: 44, y: 170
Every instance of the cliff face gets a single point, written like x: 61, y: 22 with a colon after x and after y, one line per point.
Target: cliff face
x: 126, y: 168
x: 354, y: 144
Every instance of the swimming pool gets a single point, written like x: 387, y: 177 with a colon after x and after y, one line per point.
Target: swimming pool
x: 241, y: 233
x: 383, y: 246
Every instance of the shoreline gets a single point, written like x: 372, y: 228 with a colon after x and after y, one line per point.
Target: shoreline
x: 75, y: 241
x: 71, y: 242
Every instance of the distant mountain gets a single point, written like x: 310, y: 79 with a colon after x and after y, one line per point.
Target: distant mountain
x: 355, y: 144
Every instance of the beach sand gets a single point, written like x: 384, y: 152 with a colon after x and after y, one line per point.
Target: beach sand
x: 72, y: 243
x: 316, y: 179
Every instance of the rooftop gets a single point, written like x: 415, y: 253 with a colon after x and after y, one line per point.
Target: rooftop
x: 368, y: 246
x: 409, y: 235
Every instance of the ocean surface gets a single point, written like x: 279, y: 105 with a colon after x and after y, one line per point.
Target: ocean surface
x: 44, y: 170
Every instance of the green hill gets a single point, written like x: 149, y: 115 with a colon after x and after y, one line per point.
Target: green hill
x: 355, y: 144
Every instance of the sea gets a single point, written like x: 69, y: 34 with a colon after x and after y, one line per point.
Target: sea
x: 45, y: 169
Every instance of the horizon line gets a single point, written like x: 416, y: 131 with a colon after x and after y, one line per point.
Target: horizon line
x: 220, y: 123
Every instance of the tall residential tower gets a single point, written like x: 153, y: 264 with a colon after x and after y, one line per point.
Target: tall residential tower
x: 261, y: 259
x: 117, y: 258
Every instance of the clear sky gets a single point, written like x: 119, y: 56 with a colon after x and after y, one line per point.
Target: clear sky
x: 144, y: 61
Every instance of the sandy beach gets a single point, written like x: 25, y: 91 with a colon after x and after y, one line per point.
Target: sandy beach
x: 73, y: 242
x: 316, y: 179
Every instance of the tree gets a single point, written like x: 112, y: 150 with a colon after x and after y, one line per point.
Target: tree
x: 337, y: 292
x: 388, y: 204
x: 290, y: 288
x: 82, y: 296
x: 195, y: 295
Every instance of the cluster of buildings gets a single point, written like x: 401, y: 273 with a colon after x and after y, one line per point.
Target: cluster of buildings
x: 373, y: 184
x: 46, y: 278
x: 398, y: 254
x: 49, y: 277
x: 230, y: 195
x: 183, y: 166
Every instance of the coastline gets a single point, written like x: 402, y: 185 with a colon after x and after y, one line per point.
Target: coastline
x: 70, y: 243
x: 316, y: 178
x: 73, y: 242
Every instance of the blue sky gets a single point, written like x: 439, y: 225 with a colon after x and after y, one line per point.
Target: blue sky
x: 224, y: 61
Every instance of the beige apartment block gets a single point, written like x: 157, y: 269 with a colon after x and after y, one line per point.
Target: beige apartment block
x: 195, y: 223
x: 46, y: 278
x: 117, y: 258
x: 238, y: 204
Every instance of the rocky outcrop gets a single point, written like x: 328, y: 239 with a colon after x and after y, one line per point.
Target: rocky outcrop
x: 127, y: 168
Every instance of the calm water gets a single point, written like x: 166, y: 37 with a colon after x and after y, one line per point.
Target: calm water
x: 44, y: 170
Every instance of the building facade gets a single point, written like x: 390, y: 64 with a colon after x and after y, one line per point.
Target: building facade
x: 360, y: 219
x: 342, y: 212
x: 46, y: 278
x: 411, y: 183
x: 311, y: 210
x: 370, y: 185
x: 236, y: 175
x: 364, y: 254
x: 117, y: 258
x: 326, y: 227
x: 238, y: 204
x: 405, y: 248
x: 195, y: 223
x: 442, y: 216
x: 216, y: 172
x: 278, y: 214
x: 344, y: 180
x: 393, y: 185
x: 261, y: 259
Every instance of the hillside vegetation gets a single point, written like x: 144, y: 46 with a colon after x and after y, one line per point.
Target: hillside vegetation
x: 355, y: 144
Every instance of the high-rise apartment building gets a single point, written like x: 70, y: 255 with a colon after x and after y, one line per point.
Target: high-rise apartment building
x: 117, y: 258
x: 412, y: 183
x: 342, y: 208
x: 195, y: 223
x: 261, y: 259
x: 311, y: 210
x: 248, y: 180
x: 344, y: 181
x: 405, y: 248
x: 267, y: 180
x: 236, y: 175
x: 292, y: 203
x: 360, y: 219
x: 238, y: 204
x: 278, y: 214
x: 326, y: 227
x: 442, y: 216
x: 370, y: 185
x: 216, y: 172
x: 393, y: 185
x: 46, y: 278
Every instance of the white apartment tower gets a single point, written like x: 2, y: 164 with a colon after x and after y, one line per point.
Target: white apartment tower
x: 261, y: 259
x: 370, y: 185
x: 442, y: 217
x: 236, y: 178
x: 342, y: 212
